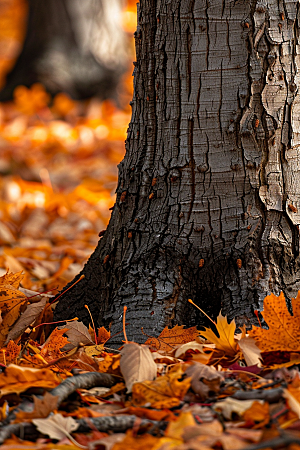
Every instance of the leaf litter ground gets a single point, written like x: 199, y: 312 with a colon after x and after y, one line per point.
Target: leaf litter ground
x: 218, y: 388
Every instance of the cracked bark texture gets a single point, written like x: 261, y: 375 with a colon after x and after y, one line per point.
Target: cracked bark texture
x: 208, y: 193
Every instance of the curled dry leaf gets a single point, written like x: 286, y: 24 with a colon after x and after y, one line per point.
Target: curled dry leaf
x: 205, y: 380
x: 27, y: 318
x: 251, y: 352
x: 56, y: 426
x: 137, y: 364
x: 193, y: 345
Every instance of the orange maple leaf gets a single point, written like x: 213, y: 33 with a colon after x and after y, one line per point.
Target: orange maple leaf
x: 171, y: 338
x: 103, y: 335
x: 284, y: 329
x: 54, y: 344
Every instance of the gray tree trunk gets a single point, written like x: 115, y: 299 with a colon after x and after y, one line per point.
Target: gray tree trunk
x: 208, y: 194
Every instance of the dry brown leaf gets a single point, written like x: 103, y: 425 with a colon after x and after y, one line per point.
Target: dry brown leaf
x: 137, y: 364
x: 56, y: 426
x: 78, y: 333
x: 205, y: 380
x: 232, y: 405
x: 164, y: 392
x: 251, y: 352
x: 84, y: 361
x: 193, y: 345
x: 226, y: 341
x: 27, y: 318
x: 16, y: 379
x: 42, y: 408
x: 284, y: 330
x: 170, y: 338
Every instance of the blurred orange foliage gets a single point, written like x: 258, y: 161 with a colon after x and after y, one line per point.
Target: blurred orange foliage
x: 58, y: 167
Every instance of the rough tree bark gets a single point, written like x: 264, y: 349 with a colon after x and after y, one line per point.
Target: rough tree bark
x: 208, y: 194
x: 74, y: 46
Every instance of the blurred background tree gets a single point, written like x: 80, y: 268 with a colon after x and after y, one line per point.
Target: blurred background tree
x: 70, y: 46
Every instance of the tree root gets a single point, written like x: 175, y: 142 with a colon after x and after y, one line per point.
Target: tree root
x: 116, y: 424
x: 62, y: 392
x: 268, y: 395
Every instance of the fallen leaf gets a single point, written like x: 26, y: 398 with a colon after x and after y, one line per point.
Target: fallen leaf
x: 193, y: 345
x: 56, y: 426
x: 10, y: 354
x: 84, y: 361
x: 94, y: 350
x: 42, y: 408
x: 231, y: 405
x: 137, y: 364
x: 293, y: 396
x: 226, y: 341
x: 170, y: 338
x: 55, y: 342
x: 103, y: 335
x: 249, y: 434
x: 205, y: 380
x: 165, y: 392
x: 175, y: 429
x: 284, y: 330
x: 251, y: 352
x: 136, y: 442
x: 77, y: 333
x: 11, y: 301
x: 213, y: 428
x: 27, y: 318
x: 16, y: 379
x: 258, y: 412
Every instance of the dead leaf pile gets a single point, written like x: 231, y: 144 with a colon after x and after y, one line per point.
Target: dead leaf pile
x: 185, y: 389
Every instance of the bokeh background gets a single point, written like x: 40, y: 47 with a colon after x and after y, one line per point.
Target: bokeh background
x: 58, y: 161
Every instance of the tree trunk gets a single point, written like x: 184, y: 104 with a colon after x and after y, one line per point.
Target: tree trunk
x: 74, y: 46
x: 207, y: 198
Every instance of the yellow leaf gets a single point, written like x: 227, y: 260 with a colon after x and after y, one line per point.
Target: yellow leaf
x: 164, y: 392
x: 284, y: 330
x: 225, y: 341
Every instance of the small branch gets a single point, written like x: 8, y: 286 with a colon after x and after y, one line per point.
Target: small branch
x: 269, y: 395
x: 84, y: 381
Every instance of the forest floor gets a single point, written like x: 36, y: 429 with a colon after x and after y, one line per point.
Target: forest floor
x: 64, y: 389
